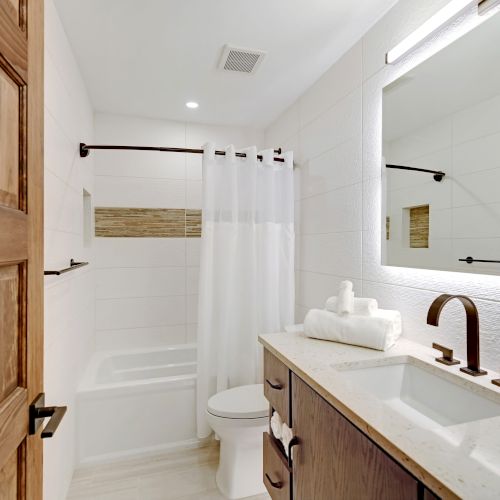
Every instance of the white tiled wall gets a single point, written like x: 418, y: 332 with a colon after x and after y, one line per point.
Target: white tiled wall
x: 335, y: 128
x: 69, y: 299
x: 464, y: 208
x: 147, y: 288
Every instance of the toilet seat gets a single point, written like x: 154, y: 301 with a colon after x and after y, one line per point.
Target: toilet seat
x: 244, y: 402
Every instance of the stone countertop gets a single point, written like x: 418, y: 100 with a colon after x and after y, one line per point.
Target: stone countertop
x: 461, y: 460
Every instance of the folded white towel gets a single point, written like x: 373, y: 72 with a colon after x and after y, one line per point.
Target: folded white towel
x: 362, y: 306
x: 380, y: 331
x: 276, y: 424
x: 286, y: 437
x: 345, y: 298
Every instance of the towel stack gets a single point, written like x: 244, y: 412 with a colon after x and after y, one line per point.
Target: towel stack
x: 356, y: 321
x: 281, y: 431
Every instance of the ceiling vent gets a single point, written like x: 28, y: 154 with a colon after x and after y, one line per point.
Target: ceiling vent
x: 241, y: 60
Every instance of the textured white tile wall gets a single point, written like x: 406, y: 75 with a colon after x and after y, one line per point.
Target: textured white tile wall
x: 147, y: 288
x: 335, y: 129
x: 69, y: 299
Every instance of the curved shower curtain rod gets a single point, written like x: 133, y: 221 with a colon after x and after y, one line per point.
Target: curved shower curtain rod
x: 85, y: 150
x: 437, y: 174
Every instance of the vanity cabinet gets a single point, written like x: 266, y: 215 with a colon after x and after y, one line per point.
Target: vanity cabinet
x: 335, y: 460
x: 332, y: 458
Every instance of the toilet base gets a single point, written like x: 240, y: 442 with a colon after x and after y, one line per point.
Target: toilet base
x: 239, y: 474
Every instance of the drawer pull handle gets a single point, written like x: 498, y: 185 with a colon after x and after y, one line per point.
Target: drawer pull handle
x: 274, y: 385
x: 275, y: 484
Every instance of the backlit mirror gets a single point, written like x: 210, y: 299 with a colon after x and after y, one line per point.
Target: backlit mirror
x: 444, y: 117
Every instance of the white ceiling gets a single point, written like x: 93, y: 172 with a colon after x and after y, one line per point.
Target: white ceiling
x: 148, y: 57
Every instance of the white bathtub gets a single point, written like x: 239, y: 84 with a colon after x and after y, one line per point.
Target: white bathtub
x: 137, y: 401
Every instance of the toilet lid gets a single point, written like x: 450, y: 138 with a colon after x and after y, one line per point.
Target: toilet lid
x: 246, y: 401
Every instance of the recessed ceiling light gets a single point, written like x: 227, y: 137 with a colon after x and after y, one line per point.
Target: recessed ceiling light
x: 192, y: 105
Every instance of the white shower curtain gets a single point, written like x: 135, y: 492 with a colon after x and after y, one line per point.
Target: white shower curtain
x: 246, y: 269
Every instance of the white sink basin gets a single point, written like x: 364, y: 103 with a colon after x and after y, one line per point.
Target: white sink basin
x: 422, y: 394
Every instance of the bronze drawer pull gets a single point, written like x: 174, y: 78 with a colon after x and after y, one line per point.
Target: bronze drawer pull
x: 278, y: 484
x: 274, y: 385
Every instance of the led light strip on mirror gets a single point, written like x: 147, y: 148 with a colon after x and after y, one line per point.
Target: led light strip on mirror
x: 447, y: 14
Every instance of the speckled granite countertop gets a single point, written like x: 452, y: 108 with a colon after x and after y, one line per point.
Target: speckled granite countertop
x: 460, y: 460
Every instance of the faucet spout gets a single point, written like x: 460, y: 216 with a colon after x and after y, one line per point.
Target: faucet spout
x: 433, y: 315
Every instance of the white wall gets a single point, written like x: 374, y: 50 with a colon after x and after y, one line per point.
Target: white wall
x: 147, y: 287
x: 69, y: 299
x: 335, y: 129
x: 464, y: 207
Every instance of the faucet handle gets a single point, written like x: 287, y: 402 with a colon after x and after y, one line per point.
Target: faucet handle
x: 447, y: 358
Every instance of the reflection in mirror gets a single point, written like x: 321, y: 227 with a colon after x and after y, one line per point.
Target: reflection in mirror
x: 443, y: 117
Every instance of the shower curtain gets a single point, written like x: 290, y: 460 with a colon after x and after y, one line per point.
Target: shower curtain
x: 246, y: 268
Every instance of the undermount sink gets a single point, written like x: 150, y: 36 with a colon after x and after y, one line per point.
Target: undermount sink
x: 420, y: 393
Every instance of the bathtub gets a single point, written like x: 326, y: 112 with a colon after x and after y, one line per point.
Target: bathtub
x: 136, y: 402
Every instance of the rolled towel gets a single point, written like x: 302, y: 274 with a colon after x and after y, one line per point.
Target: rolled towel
x: 286, y: 437
x: 345, y: 298
x: 276, y: 424
x: 362, y: 306
x: 380, y: 331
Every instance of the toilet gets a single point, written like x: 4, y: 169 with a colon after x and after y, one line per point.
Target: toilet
x: 239, y: 416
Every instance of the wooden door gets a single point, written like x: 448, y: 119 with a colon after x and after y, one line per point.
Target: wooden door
x: 21, y: 244
x: 334, y: 460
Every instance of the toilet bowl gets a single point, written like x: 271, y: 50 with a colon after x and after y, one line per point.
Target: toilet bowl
x: 239, y: 416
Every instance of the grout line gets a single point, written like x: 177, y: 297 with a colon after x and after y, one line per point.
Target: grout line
x: 148, y: 297
x: 170, y: 179
x: 359, y: 183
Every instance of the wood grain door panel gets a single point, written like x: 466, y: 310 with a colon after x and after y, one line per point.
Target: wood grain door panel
x: 11, y: 110
x: 21, y: 244
x: 334, y: 460
x: 12, y: 359
x: 16, y: 10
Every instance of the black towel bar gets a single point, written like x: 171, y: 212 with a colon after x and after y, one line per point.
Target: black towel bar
x: 72, y: 265
x: 470, y: 260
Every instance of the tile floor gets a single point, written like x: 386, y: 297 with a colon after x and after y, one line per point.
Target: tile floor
x: 179, y: 475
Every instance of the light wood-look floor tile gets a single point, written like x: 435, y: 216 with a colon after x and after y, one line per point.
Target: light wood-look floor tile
x: 178, y: 475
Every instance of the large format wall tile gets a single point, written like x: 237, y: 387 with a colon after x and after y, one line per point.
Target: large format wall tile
x: 140, y: 312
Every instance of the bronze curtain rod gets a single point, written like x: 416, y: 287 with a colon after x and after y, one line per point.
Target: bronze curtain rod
x: 85, y: 150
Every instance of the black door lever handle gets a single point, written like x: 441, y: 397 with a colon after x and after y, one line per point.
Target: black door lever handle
x: 38, y: 411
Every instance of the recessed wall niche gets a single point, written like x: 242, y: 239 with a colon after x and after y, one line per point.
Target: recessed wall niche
x: 419, y: 226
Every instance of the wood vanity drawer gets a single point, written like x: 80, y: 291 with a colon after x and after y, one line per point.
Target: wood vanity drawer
x: 277, y: 385
x: 277, y: 476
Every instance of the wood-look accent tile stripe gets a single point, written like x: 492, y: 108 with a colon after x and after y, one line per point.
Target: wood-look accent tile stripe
x: 419, y: 227
x: 115, y: 222
x: 193, y: 223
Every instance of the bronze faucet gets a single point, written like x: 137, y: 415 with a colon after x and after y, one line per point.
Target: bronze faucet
x: 472, y: 329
